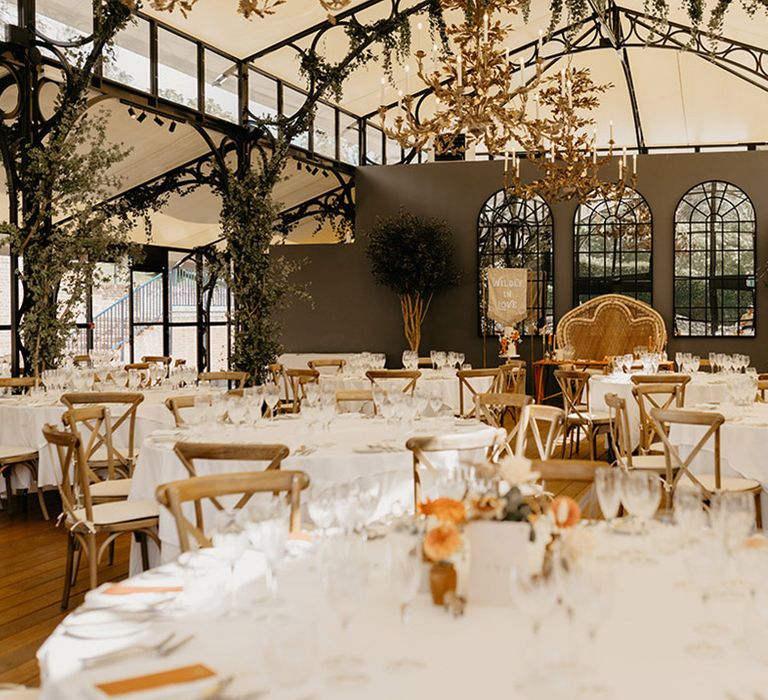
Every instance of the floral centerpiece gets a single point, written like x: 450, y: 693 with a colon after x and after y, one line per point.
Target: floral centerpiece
x: 508, y: 342
x: 442, y: 542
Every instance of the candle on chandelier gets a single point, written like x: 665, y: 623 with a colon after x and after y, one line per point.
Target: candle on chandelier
x: 624, y: 156
x: 506, y: 163
x: 517, y: 167
x: 407, y: 73
x: 610, y: 132
x: 381, y: 90
x: 570, y: 94
x: 621, y: 169
x: 485, y: 28
x: 553, y: 151
x: 536, y: 101
x: 634, y: 163
x: 458, y: 69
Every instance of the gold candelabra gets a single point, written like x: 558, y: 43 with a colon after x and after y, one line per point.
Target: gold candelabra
x: 561, y: 147
x: 476, y: 91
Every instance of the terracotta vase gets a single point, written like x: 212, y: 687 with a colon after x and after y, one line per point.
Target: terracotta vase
x: 442, y: 580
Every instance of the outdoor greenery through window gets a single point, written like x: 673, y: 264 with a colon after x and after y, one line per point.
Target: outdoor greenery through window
x: 715, y: 262
x: 613, y: 241
x: 515, y: 232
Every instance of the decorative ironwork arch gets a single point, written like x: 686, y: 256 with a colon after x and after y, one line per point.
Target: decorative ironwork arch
x: 516, y: 232
x: 613, y: 242
x: 715, y: 260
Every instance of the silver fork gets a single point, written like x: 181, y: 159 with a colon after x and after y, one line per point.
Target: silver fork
x: 159, y: 648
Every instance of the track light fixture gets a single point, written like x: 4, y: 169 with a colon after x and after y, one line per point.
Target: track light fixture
x: 158, y: 121
x: 172, y: 127
x: 132, y: 113
x: 325, y: 173
x: 298, y: 165
x: 141, y: 117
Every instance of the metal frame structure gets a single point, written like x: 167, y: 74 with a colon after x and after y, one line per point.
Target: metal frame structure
x: 707, y: 219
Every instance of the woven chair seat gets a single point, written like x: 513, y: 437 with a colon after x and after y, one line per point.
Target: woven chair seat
x: 735, y: 484
x: 119, y: 512
x: 111, y: 488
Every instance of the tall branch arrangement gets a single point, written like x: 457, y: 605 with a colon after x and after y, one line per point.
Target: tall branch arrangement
x: 414, y: 258
x: 58, y: 173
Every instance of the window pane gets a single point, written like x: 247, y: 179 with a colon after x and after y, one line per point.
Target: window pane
x: 9, y: 12
x: 394, y: 154
x: 221, y: 77
x: 148, y: 299
x: 184, y: 344
x: 110, y: 299
x: 514, y: 232
x: 177, y: 68
x: 292, y: 102
x: 182, y: 286
x: 262, y: 95
x: 65, y: 19
x: 219, y: 349
x: 147, y: 340
x: 350, y: 139
x: 5, y: 283
x: 5, y: 345
x: 714, y: 262
x: 130, y: 63
x: 325, y: 131
x: 373, y: 145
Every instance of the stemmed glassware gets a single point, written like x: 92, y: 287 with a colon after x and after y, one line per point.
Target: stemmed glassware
x: 321, y: 506
x: 641, y: 495
x: 267, y: 528
x: 690, y: 516
x: 732, y: 517
x: 406, y: 565
x: 272, y: 397
x: 608, y: 489
x: 229, y: 542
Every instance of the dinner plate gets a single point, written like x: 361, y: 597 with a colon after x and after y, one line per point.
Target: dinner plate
x: 139, y: 601
x: 101, y: 624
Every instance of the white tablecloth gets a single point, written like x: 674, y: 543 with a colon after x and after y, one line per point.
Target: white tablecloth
x: 299, y: 360
x: 743, y: 439
x: 347, y: 451
x: 703, y: 388
x: 640, y: 650
x: 22, y: 420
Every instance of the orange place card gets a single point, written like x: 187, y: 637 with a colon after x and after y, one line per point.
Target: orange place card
x: 184, y: 674
x: 130, y: 590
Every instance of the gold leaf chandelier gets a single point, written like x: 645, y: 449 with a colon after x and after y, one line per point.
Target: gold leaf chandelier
x: 476, y: 92
x: 560, y: 146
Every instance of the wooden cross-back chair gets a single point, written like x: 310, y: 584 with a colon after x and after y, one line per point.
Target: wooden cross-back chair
x: 15, y: 457
x: 24, y: 383
x: 574, y: 386
x: 237, y: 378
x: 189, y: 452
x: 276, y: 376
x: 107, y: 475
x: 466, y: 376
x: 570, y: 475
x: 669, y: 378
x: 501, y: 410
x: 544, y: 424
x: 380, y: 378
x: 82, y: 360
x: 123, y: 407
x: 762, y: 389
x: 513, y: 373
x: 214, y: 487
x: 486, y: 442
x: 336, y: 363
x: 164, y: 360
x: 297, y: 379
x: 356, y: 396
x: 143, y: 369
x: 85, y: 520
x: 677, y: 467
x: 175, y: 404
x: 621, y: 439
x: 657, y: 395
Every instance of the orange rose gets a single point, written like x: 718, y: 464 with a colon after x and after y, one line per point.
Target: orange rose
x: 565, y: 511
x: 446, y: 509
x: 488, y: 508
x: 441, y: 542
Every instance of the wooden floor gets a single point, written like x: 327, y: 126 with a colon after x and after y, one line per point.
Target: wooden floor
x: 32, y: 557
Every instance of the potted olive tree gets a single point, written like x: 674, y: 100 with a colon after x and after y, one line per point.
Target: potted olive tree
x: 414, y: 258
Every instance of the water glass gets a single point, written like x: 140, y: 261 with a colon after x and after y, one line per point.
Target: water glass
x: 608, y: 488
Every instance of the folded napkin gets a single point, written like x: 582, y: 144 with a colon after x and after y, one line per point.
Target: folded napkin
x: 130, y: 590
x: 152, y: 681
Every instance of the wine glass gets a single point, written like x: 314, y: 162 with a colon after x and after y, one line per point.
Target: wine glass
x: 436, y: 399
x: 321, y: 505
x: 688, y: 504
x: 345, y: 582
x: 271, y: 397
x: 608, y: 489
x: 641, y: 495
x: 267, y: 528
x: 229, y: 542
x: 406, y: 567
x: 732, y: 516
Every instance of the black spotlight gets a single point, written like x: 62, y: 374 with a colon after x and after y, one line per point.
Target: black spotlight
x: 325, y: 173
x: 132, y: 113
x: 141, y: 117
x: 158, y: 121
x: 298, y: 165
x: 172, y: 127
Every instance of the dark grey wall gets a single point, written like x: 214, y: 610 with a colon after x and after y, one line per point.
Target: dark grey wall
x: 351, y: 312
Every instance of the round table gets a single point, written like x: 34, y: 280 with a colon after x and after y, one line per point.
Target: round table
x: 649, y: 615
x: 704, y: 388
x: 354, y: 446
x: 432, y: 381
